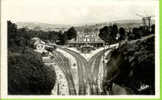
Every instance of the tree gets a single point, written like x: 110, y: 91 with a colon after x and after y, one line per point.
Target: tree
x: 115, y: 29
x: 28, y: 75
x: 122, y: 33
x: 103, y: 33
x: 108, y: 33
x: 71, y: 33
x: 62, y: 38
x: 12, y: 32
x: 137, y: 33
x: 12, y: 27
x: 65, y: 38
x: 53, y: 36
x: 17, y: 37
x: 153, y: 28
x: 133, y: 65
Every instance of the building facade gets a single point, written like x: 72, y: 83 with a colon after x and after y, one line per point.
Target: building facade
x: 84, y: 39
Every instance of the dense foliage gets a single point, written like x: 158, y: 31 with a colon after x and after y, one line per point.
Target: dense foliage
x: 28, y: 75
x: 133, y: 66
x: 71, y: 33
x: 112, y: 34
x: 109, y: 33
x: 26, y: 72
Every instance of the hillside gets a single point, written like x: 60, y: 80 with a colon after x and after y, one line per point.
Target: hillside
x: 120, y: 23
x: 132, y: 65
x: 42, y: 26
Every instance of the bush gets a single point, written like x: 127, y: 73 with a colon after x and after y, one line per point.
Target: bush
x: 28, y: 75
x: 133, y: 65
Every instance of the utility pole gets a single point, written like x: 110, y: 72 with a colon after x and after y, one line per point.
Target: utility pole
x: 146, y: 20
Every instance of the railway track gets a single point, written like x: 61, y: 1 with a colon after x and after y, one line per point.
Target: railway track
x: 81, y: 63
x: 63, y: 63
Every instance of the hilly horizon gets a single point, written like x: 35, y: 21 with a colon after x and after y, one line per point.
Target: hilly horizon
x: 64, y: 27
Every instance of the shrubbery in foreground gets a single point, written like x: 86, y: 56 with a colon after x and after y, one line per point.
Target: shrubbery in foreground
x: 26, y: 72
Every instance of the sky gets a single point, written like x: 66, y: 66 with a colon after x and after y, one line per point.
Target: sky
x: 76, y: 11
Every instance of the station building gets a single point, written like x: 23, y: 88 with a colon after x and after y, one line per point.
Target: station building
x: 86, y: 39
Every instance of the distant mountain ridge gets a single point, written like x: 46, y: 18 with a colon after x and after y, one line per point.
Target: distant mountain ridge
x: 79, y: 27
x: 42, y: 26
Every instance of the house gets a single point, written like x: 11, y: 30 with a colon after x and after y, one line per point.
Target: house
x: 84, y: 39
x: 41, y: 46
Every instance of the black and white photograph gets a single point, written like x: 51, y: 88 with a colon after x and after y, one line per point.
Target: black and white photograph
x: 83, y: 48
